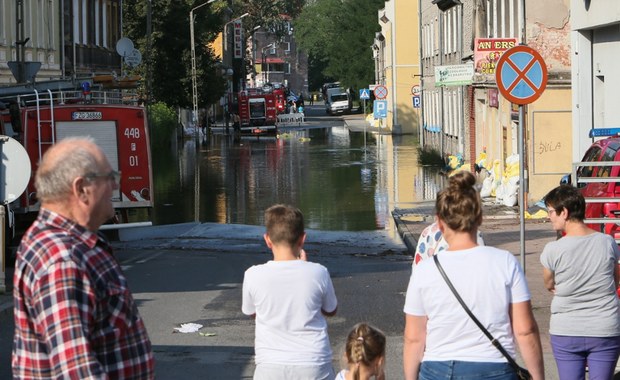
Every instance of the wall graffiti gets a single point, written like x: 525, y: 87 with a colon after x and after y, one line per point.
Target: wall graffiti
x: 551, y: 142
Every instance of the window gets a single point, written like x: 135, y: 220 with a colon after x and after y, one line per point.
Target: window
x: 40, y: 23
x: 84, y: 21
x: 586, y: 171
x: 608, y: 155
x: 504, y: 18
x: 76, y: 22
x: 287, y: 47
x: 111, y: 22
x: 3, y: 24
x: 28, y: 22
x: 97, y: 23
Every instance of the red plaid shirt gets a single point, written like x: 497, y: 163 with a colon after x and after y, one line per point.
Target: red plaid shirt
x: 74, y: 315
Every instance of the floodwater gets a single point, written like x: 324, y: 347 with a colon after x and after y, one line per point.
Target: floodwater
x: 342, y: 180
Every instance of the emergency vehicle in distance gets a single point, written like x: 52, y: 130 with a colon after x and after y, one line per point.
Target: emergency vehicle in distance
x: 100, y: 107
x: 257, y: 109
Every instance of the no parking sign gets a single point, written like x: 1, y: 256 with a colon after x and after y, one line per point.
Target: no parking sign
x: 521, y: 75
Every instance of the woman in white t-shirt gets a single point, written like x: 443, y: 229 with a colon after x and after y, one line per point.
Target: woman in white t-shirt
x: 441, y: 340
x: 365, y: 354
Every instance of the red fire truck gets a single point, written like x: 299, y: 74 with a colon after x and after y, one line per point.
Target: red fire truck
x: 257, y: 111
x: 38, y: 117
x: 280, y: 92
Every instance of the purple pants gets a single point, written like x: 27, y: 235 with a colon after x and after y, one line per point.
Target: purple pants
x: 573, y: 353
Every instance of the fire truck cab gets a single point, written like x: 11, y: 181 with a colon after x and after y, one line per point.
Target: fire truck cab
x: 38, y: 118
x: 257, y: 111
x: 598, y: 178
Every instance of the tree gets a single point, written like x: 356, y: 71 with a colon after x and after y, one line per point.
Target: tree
x: 337, y: 34
x: 170, y: 58
x: 170, y: 53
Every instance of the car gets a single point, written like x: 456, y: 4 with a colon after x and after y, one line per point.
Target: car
x: 602, y: 195
x: 338, y: 101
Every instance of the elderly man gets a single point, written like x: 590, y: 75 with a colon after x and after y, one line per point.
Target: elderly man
x: 74, y: 314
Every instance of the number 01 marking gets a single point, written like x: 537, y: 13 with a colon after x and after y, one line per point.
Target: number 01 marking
x: 133, y: 160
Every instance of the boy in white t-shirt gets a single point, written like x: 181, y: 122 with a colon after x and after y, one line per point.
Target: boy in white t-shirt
x: 289, y: 298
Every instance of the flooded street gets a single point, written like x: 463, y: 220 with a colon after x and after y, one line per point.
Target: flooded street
x: 342, y: 180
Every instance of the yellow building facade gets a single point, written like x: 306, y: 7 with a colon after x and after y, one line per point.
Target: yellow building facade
x: 397, y: 64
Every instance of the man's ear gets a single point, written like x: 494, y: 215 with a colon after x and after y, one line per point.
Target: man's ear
x: 79, y: 189
x: 441, y: 225
x: 302, y: 240
x: 267, y: 241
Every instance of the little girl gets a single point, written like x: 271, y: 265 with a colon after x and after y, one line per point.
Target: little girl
x: 365, y: 353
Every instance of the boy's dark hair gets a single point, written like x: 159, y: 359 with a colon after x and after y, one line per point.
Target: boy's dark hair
x: 569, y: 198
x: 285, y: 224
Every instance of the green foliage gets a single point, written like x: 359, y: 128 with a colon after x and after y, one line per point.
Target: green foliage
x: 266, y: 13
x: 337, y: 34
x: 428, y: 156
x: 162, y: 123
x: 169, y: 58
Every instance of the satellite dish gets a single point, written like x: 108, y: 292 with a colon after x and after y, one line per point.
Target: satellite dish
x: 15, y: 171
x: 124, y: 47
x: 134, y: 58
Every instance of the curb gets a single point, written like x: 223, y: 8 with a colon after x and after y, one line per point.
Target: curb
x: 408, y: 238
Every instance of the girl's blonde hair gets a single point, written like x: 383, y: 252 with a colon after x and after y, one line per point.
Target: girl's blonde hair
x: 365, y: 344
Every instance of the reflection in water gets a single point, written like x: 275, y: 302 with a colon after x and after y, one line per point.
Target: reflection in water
x: 338, y: 178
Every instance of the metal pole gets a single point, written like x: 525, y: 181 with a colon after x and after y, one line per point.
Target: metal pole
x: 394, y: 80
x: 193, y: 58
x: 522, y: 161
x: 365, y: 122
x: 197, y: 184
x: 521, y: 186
x: 2, y: 252
x: 194, y: 85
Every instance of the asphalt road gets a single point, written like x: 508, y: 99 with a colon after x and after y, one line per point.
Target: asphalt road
x: 193, y: 274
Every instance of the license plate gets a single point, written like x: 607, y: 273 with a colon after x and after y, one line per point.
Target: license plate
x: 86, y: 115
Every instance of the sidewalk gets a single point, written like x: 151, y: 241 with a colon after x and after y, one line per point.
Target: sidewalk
x: 500, y: 228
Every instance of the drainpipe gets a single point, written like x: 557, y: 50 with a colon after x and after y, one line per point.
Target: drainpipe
x: 395, y: 125
x: 463, y: 88
x: 62, y: 38
x: 441, y: 89
x: 420, y: 40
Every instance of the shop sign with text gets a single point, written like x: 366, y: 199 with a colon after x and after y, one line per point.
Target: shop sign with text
x: 487, y: 52
x: 454, y: 75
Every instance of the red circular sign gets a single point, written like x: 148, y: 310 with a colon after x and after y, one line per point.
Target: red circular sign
x: 521, y: 75
x: 380, y: 92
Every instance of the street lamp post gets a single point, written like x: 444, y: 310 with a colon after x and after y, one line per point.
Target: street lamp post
x: 228, y: 23
x: 226, y: 60
x: 264, y: 60
x: 193, y: 56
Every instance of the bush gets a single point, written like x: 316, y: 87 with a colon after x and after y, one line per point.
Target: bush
x: 428, y: 156
x: 162, y: 123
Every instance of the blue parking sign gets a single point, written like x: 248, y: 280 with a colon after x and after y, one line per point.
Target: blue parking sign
x: 416, y: 101
x: 379, y: 108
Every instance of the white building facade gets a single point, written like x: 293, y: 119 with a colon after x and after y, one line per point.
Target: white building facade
x: 596, y: 78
